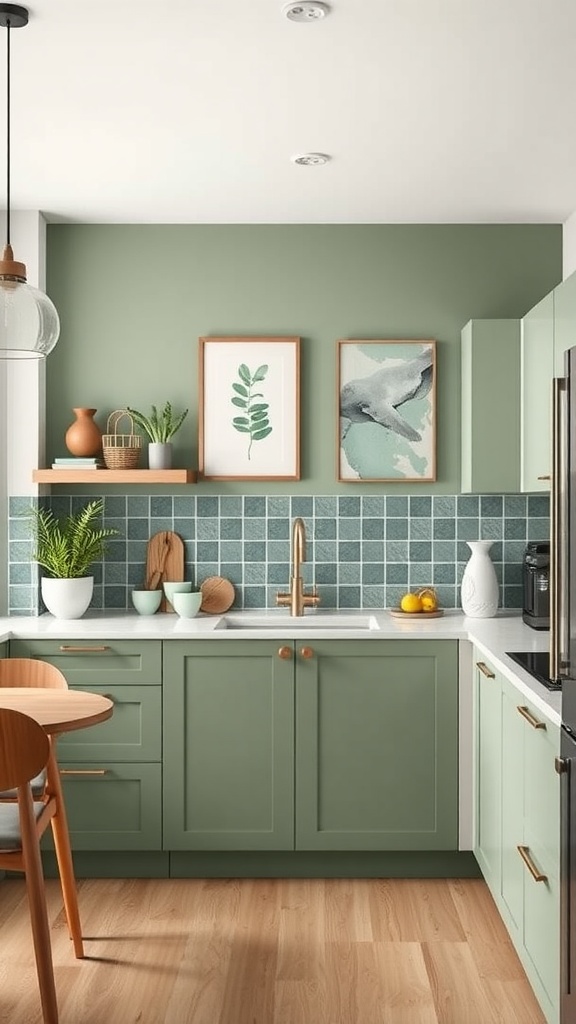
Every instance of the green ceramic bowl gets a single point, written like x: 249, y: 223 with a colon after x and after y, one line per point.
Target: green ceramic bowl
x: 146, y: 602
x: 187, y: 605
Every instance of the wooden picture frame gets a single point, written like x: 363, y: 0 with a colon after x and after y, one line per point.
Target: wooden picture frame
x: 249, y: 408
x: 386, y: 407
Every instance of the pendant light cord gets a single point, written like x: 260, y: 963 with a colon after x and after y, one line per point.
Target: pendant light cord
x: 8, y: 131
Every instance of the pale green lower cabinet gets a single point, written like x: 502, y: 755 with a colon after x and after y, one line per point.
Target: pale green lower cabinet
x: 518, y: 813
x: 322, y: 745
x: 111, y: 772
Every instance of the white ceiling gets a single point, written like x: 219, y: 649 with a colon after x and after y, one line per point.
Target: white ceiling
x: 185, y: 112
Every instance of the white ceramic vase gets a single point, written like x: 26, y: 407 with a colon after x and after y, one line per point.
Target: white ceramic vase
x: 67, y: 598
x: 160, y: 455
x: 479, y: 590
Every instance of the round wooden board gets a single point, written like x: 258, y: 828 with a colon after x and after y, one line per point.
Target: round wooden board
x: 217, y: 595
x: 399, y: 614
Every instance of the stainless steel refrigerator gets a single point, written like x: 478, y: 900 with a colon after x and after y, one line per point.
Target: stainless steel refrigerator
x: 563, y: 656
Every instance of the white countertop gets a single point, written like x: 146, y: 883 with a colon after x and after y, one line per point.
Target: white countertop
x: 505, y: 632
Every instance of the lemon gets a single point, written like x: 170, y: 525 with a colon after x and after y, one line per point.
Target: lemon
x: 428, y: 599
x: 411, y: 603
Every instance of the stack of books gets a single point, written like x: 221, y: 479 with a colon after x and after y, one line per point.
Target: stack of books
x: 76, y: 462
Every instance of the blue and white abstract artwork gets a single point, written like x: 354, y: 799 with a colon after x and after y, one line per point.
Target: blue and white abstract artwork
x: 387, y: 411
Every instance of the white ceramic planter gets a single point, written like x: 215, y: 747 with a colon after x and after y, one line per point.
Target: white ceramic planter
x: 479, y: 590
x: 160, y: 455
x: 67, y: 599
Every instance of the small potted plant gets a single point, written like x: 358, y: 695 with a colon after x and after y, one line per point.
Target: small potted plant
x: 159, y: 427
x: 66, y: 548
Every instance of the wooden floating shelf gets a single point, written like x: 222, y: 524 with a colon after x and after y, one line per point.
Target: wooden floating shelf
x: 114, y: 476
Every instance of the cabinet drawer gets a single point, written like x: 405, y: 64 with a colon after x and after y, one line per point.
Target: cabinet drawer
x: 117, y: 809
x: 134, y: 733
x: 91, y: 663
x: 542, y: 929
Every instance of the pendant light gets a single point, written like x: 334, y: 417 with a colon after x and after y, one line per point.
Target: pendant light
x: 29, y: 324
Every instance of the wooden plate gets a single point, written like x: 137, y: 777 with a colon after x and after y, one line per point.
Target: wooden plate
x: 217, y: 595
x: 399, y: 614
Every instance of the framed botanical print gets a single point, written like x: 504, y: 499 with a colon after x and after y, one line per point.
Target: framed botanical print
x: 386, y: 411
x: 249, y: 406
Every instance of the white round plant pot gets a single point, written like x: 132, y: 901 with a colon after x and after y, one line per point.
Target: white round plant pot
x: 160, y: 455
x: 67, y: 599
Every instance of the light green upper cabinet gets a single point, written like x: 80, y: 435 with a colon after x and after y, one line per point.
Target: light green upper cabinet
x: 537, y: 369
x: 564, y: 322
x: 548, y: 331
x: 491, y: 406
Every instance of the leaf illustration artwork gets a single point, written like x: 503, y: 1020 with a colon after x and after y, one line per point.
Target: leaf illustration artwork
x: 254, y: 420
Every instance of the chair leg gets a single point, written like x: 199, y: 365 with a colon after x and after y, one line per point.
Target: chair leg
x: 38, y: 913
x: 61, y: 836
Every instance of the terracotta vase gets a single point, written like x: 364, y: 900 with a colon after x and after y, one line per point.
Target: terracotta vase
x: 84, y: 437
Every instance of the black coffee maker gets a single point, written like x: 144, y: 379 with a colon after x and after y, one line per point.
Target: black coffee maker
x: 536, y: 580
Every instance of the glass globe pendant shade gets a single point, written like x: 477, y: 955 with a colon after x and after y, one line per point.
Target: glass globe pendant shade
x: 29, y: 322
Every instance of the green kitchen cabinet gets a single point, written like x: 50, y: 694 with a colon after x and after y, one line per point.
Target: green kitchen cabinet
x: 531, y: 843
x: 87, y: 663
x: 321, y: 745
x: 376, y: 745
x: 548, y: 331
x: 228, y: 745
x: 537, y: 370
x: 490, y: 417
x: 564, y: 321
x: 113, y: 805
x: 517, y: 831
x: 487, y: 696
x: 111, y: 772
x: 4, y: 650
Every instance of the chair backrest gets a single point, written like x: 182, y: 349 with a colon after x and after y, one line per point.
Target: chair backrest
x: 24, y: 748
x: 31, y: 672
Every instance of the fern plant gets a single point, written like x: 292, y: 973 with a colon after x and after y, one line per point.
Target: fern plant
x: 67, y: 547
x: 159, y: 427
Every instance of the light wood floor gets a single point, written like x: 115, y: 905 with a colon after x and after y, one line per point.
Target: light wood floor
x: 270, y: 951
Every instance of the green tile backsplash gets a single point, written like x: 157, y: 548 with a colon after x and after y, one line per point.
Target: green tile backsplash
x: 362, y: 551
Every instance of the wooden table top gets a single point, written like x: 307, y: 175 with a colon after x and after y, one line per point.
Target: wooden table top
x: 57, y: 710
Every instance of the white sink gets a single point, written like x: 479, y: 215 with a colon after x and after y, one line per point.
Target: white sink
x: 310, y: 620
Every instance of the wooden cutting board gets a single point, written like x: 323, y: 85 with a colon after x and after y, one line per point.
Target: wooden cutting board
x: 164, y: 561
x: 217, y: 595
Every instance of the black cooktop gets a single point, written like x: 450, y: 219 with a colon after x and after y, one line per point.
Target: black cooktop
x: 537, y: 663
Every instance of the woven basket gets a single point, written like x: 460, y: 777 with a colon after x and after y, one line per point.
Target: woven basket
x: 121, y: 451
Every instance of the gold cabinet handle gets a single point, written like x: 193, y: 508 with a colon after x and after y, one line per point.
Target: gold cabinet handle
x: 485, y: 670
x: 71, y: 648
x: 306, y: 652
x: 285, y: 653
x: 547, y: 477
x: 524, y: 852
x: 83, y: 771
x: 560, y: 765
x: 527, y: 714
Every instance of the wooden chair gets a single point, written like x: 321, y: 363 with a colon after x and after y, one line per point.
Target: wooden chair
x: 30, y: 672
x: 24, y: 750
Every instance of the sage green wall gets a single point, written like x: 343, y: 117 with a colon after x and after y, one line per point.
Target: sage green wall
x: 133, y: 300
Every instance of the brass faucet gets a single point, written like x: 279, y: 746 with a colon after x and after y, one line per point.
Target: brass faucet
x: 297, y: 599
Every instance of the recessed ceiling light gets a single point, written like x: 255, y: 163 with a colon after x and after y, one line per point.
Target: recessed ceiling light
x: 305, y: 10
x: 311, y: 159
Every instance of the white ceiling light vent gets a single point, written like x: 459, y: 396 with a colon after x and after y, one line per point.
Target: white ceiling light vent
x: 311, y: 159
x: 305, y: 10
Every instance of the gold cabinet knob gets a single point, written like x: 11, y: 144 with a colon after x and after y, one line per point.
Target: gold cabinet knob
x: 285, y: 653
x: 306, y: 652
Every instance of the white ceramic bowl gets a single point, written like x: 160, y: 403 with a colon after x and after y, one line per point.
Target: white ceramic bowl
x: 146, y: 602
x: 171, y: 588
x: 187, y: 606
